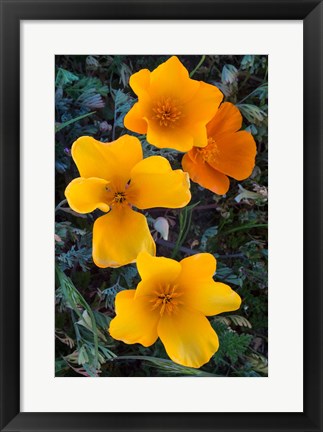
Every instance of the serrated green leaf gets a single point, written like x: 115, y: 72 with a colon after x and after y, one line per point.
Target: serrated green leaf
x: 229, y: 74
x: 252, y: 113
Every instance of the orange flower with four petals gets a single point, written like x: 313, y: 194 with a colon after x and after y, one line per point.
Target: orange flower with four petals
x: 172, y: 108
x: 114, y: 177
x: 230, y: 152
x: 171, y: 302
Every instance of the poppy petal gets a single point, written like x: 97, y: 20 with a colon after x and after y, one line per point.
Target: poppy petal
x: 177, y: 138
x: 204, y: 105
x: 134, y: 119
x: 201, y: 292
x: 103, y: 160
x: 154, y: 271
x: 155, y: 184
x: 227, y: 120
x: 135, y: 322
x: 234, y: 155
x: 203, y: 174
x: 140, y: 82
x: 119, y: 236
x: 86, y: 195
x: 199, y: 134
x: 188, y: 337
x: 171, y: 79
x: 201, y: 265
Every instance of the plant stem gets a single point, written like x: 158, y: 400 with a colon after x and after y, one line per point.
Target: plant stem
x: 198, y: 66
x: 245, y: 98
x: 60, y: 204
x: 243, y: 227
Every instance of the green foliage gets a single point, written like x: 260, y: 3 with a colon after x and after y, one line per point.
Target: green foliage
x: 64, y: 77
x: 229, y: 74
x: 209, y: 233
x: 185, y: 219
x: 61, y: 126
x: 86, y: 86
x: 122, y: 104
x: 233, y: 345
x: 252, y: 113
x: 79, y: 253
x: 90, y: 329
x: 167, y: 367
x: 81, y: 256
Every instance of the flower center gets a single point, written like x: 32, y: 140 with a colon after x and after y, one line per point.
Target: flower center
x: 210, y: 152
x: 167, y: 112
x: 119, y: 197
x: 165, y: 298
x: 116, y: 196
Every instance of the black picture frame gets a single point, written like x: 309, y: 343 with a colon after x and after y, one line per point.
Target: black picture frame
x: 12, y: 12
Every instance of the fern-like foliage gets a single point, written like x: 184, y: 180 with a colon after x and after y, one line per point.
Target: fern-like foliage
x: 232, y: 345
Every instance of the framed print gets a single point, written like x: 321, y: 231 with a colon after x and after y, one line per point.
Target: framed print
x: 169, y: 141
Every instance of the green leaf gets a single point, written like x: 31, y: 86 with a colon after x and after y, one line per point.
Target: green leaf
x: 237, y: 320
x: 229, y: 74
x: 122, y: 104
x: 232, y: 345
x: 60, y: 366
x: 227, y: 275
x: 185, y: 219
x: 85, y: 85
x: 244, y: 227
x: 74, y: 300
x: 60, y: 126
x: 247, y: 62
x: 252, y: 113
x: 86, y: 322
x: 258, y: 363
x: 167, y: 366
x: 209, y: 233
x: 64, y: 77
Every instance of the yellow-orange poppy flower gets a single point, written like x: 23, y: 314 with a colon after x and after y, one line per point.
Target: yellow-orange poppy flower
x: 171, y: 302
x: 229, y: 152
x: 172, y: 108
x: 113, y: 178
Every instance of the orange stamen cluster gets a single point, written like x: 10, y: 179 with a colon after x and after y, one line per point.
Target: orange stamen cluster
x: 167, y: 112
x: 166, y: 299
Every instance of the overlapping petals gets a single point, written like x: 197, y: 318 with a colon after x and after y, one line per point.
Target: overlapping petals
x: 155, y: 184
x: 229, y: 152
x: 114, y: 178
x: 171, y: 302
x: 172, y: 109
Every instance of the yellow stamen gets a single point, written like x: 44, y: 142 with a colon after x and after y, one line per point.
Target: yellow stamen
x: 210, y: 152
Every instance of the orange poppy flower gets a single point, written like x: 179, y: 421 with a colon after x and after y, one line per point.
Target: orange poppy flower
x: 171, y: 302
x: 115, y: 177
x: 172, y: 108
x: 229, y: 152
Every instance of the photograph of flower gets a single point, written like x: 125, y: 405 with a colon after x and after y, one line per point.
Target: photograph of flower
x: 161, y: 218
